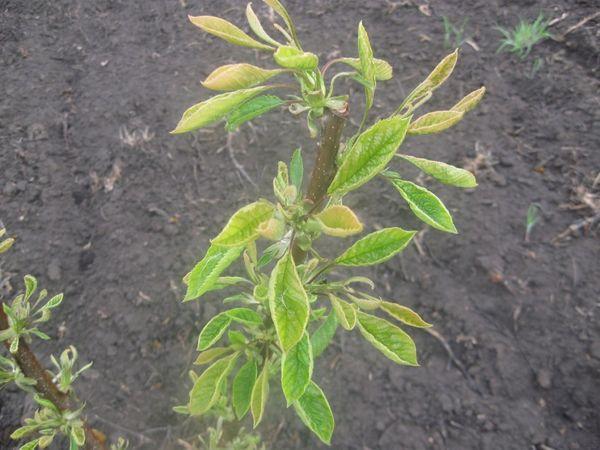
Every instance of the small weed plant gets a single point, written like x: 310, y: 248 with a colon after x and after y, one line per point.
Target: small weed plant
x: 524, y: 36
x: 292, y: 297
x: 454, y: 35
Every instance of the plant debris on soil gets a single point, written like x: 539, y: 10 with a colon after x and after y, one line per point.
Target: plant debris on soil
x: 111, y: 209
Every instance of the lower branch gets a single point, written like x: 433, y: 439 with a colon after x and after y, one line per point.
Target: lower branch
x: 32, y: 368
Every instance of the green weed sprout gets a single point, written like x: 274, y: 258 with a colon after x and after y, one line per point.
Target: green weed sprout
x: 532, y: 219
x: 525, y: 35
x: 454, y: 35
x: 289, y: 303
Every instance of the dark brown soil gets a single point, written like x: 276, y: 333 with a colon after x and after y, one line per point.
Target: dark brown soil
x: 115, y: 221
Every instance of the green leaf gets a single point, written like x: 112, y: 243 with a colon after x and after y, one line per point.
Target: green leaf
x: 288, y: 302
x: 314, y: 410
x: 388, y: 339
x: 434, y: 122
x: 383, y: 69
x: 30, y: 285
x: 213, y: 330
x: 297, y: 169
x: 444, y: 173
x: 31, y: 445
x: 243, y: 225
x: 215, y: 108
x: 424, y: 204
x: 376, y: 247
x: 257, y: 27
x: 323, y: 336
x: 252, y: 109
x: 78, y: 435
x: 205, y: 275
x: 244, y: 316
x: 53, y: 302
x: 243, y: 384
x: 293, y: 58
x: 207, y: 388
x: 211, y: 354
x: 371, y: 152
x: 470, y: 101
x: 344, y: 311
x: 404, y: 314
x: 367, y: 64
x: 280, y: 9
x: 232, y: 77
x: 227, y: 31
x: 339, y: 221
x: 260, y: 393
x: 22, y: 431
x: 296, y: 369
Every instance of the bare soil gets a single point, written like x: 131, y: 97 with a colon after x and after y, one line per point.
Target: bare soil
x: 113, y: 210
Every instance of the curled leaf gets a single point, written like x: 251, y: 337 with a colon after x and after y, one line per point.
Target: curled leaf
x: 243, y: 225
x: 232, y: 77
x: 215, y: 108
x: 404, y: 314
x: 292, y: 58
x: 434, y: 122
x: 339, y: 221
x: 227, y: 31
x: 445, y: 173
x: 469, y: 101
x: 257, y: 27
x: 383, y: 69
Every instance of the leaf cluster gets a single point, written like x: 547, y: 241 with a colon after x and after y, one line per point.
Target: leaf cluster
x: 286, y: 309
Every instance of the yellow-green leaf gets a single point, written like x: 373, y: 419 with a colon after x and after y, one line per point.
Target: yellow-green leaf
x: 257, y: 27
x: 6, y: 244
x: 367, y: 65
x: 260, y: 393
x: 292, y: 58
x: 213, y: 330
x: 376, y: 247
x: 232, y: 77
x: 388, y: 339
x: 445, y: 173
x: 424, y: 204
x: 296, y: 369
x: 214, y: 109
x: 345, y: 312
x: 280, y: 9
x: 442, y: 71
x: 227, y: 31
x: 243, y: 225
x: 205, y: 275
x: 211, y: 354
x: 207, y: 388
x: 243, y: 384
x: 339, y: 221
x: 404, y: 314
x: 383, y: 69
x: 315, y: 412
x: 434, y: 122
x: 288, y: 302
x: 469, y: 101
x: 369, y: 155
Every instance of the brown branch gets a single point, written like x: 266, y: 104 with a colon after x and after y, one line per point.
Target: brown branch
x: 31, y: 368
x: 324, y: 168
